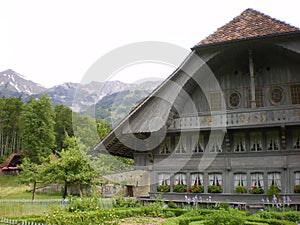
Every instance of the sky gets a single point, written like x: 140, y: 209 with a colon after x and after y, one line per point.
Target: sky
x: 52, y: 42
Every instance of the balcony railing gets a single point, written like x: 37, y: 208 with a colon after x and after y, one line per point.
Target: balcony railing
x: 258, y: 117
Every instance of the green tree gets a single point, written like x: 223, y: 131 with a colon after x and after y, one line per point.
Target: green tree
x: 85, y: 130
x: 103, y: 128
x: 10, y: 125
x: 63, y: 124
x: 38, y: 136
x: 71, y: 167
x: 31, y: 173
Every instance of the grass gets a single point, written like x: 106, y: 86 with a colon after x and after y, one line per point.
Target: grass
x: 10, y: 188
x: 24, y: 208
x: 15, y: 198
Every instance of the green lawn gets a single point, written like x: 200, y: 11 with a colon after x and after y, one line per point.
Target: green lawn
x: 10, y: 188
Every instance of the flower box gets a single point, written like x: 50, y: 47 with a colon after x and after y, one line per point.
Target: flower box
x: 163, y: 188
x: 197, y: 189
x: 297, y: 188
x: 240, y: 189
x: 257, y: 190
x: 179, y: 188
x: 215, y: 189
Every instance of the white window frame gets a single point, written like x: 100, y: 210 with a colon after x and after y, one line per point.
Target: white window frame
x: 297, y: 178
x: 239, y: 142
x: 165, y: 146
x: 164, y: 179
x: 180, y: 178
x: 273, y: 141
x: 181, y: 144
x: 197, y: 179
x: 215, y: 179
x: 216, y: 142
x: 256, y: 142
x: 274, y: 178
x: 257, y: 179
x: 240, y: 179
x: 198, y: 143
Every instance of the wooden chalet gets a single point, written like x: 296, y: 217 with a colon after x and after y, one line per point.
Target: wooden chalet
x: 9, y: 166
x: 225, y: 125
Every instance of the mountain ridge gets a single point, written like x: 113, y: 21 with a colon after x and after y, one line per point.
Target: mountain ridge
x: 79, y: 97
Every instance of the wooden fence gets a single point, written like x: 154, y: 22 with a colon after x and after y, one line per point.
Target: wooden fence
x: 18, y: 222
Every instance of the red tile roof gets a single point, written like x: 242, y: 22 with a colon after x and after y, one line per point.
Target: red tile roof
x: 249, y: 24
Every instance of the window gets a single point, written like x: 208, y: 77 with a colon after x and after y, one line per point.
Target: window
x: 257, y: 180
x: 240, y: 179
x: 239, y: 142
x: 215, y: 142
x: 297, y: 178
x: 274, y: 179
x: 296, y: 140
x: 197, y: 179
x: 259, y: 97
x: 181, y: 144
x: 198, y: 143
x: 276, y: 95
x: 180, y: 178
x: 215, y: 101
x: 215, y: 179
x: 234, y: 99
x: 295, y: 93
x: 256, y: 141
x: 273, y: 141
x: 164, y: 179
x: 164, y: 147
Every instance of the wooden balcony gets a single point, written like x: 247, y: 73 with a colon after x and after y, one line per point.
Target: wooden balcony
x: 239, y: 119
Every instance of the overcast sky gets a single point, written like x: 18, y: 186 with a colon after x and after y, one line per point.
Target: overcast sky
x: 52, y: 42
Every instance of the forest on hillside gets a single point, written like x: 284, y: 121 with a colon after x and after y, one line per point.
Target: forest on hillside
x: 37, y: 128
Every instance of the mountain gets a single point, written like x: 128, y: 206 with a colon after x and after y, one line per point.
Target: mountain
x: 14, y: 84
x: 114, y: 107
x: 112, y: 96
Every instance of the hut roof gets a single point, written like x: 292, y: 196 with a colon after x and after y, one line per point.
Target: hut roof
x: 12, y: 160
x: 249, y: 24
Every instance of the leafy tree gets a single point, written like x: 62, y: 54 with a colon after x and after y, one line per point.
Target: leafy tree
x: 38, y: 136
x: 63, y: 124
x: 103, y: 128
x: 10, y: 125
x: 85, y: 130
x: 70, y: 168
x: 107, y: 164
x: 30, y: 173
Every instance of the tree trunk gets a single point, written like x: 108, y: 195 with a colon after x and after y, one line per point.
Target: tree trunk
x: 33, y: 191
x: 79, y: 190
x: 65, y: 190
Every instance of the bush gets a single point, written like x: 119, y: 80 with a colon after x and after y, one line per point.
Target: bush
x: 172, y: 205
x: 226, y: 217
x: 82, y: 204
x: 121, y: 202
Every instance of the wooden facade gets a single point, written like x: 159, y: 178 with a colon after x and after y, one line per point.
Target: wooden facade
x: 229, y: 118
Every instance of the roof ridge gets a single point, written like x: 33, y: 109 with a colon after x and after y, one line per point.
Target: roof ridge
x: 249, y: 24
x: 273, y: 18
